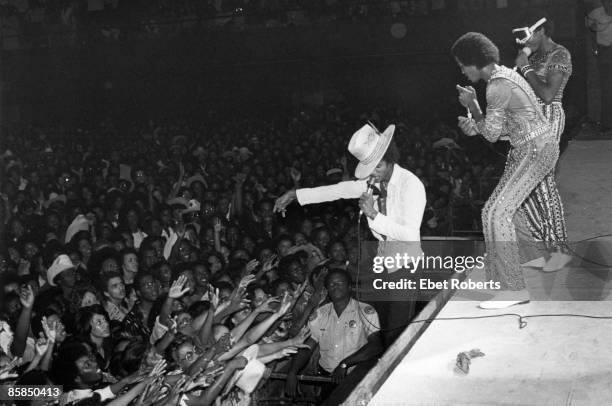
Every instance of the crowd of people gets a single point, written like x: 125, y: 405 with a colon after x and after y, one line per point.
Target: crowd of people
x: 62, y: 22
x: 132, y: 251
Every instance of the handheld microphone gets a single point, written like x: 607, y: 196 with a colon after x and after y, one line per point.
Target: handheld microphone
x: 369, y: 191
x: 527, y: 51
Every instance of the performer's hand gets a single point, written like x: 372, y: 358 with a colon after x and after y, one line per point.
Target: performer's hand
x: 280, y: 206
x: 467, y: 126
x: 467, y: 95
x: 521, y: 60
x: 338, y: 374
x: 366, y: 204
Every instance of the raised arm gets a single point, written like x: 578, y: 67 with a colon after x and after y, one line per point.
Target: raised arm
x: 558, y: 69
x: 498, y: 97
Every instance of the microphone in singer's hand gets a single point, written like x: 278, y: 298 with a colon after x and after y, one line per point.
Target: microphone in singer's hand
x: 527, y: 51
x: 369, y: 191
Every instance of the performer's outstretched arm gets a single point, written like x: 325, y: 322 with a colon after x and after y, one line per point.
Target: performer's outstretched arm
x: 351, y: 189
x: 344, y: 190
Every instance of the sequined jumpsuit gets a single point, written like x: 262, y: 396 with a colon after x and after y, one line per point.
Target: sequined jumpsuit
x: 513, y: 110
x: 543, y: 208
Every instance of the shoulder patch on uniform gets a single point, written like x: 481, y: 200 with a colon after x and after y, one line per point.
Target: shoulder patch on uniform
x: 369, y: 310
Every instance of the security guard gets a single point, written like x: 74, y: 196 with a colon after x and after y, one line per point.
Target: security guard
x: 347, y: 332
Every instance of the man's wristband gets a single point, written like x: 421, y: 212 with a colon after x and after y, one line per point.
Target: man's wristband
x: 526, y: 69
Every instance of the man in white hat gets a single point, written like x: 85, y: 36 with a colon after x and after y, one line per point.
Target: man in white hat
x: 394, y: 217
x: 62, y: 273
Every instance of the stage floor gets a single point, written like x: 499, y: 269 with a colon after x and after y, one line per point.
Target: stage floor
x: 551, y: 360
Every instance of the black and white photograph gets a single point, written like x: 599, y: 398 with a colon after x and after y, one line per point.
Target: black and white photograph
x: 305, y: 202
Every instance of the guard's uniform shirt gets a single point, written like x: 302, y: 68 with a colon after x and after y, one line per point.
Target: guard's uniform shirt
x: 340, y: 337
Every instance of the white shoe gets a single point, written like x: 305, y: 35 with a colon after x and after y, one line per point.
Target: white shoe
x: 505, y: 299
x: 557, y: 261
x: 535, y: 263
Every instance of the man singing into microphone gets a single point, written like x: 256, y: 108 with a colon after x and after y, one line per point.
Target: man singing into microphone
x: 394, y: 216
x: 547, y: 69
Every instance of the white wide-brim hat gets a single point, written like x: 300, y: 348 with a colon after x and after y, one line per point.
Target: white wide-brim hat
x: 369, y: 146
x: 62, y: 263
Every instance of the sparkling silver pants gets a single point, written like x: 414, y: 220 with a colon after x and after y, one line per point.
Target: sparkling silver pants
x: 526, y: 168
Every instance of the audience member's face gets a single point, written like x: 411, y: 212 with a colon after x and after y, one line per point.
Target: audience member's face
x: 337, y: 252
x: 177, y: 306
x: 306, y: 227
x: 89, y: 299
x: 149, y: 289
x: 109, y: 265
x: 299, y: 239
x: 75, y: 257
x: 99, y: 326
x: 282, y: 288
x: 248, y: 244
x: 60, y: 329
x: 13, y: 308
x: 166, y: 216
x: 225, y: 252
x: 158, y: 246
x: 185, y: 251
x: 214, y: 263
x: 266, y: 210
x: 130, y: 263
x: 259, y: 297
x: 128, y: 239
x: 14, y: 254
x: 187, y: 354
x: 3, y: 263
x: 202, y: 276
x: 282, y: 331
x: 53, y: 221
x: 322, y: 239
x: 296, y: 273
x: 283, y: 247
x: 265, y: 254
x: 105, y: 231
x: 132, y: 218
x: 119, y: 245
x: 165, y: 272
x: 115, y: 288
x: 30, y: 250
x: 84, y: 248
x: 241, y: 254
x: 224, y: 295
x: 337, y: 287
x: 232, y: 235
x: 67, y: 278
x: 89, y: 372
x: 156, y: 228
x: 184, y: 322
x: 149, y: 257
